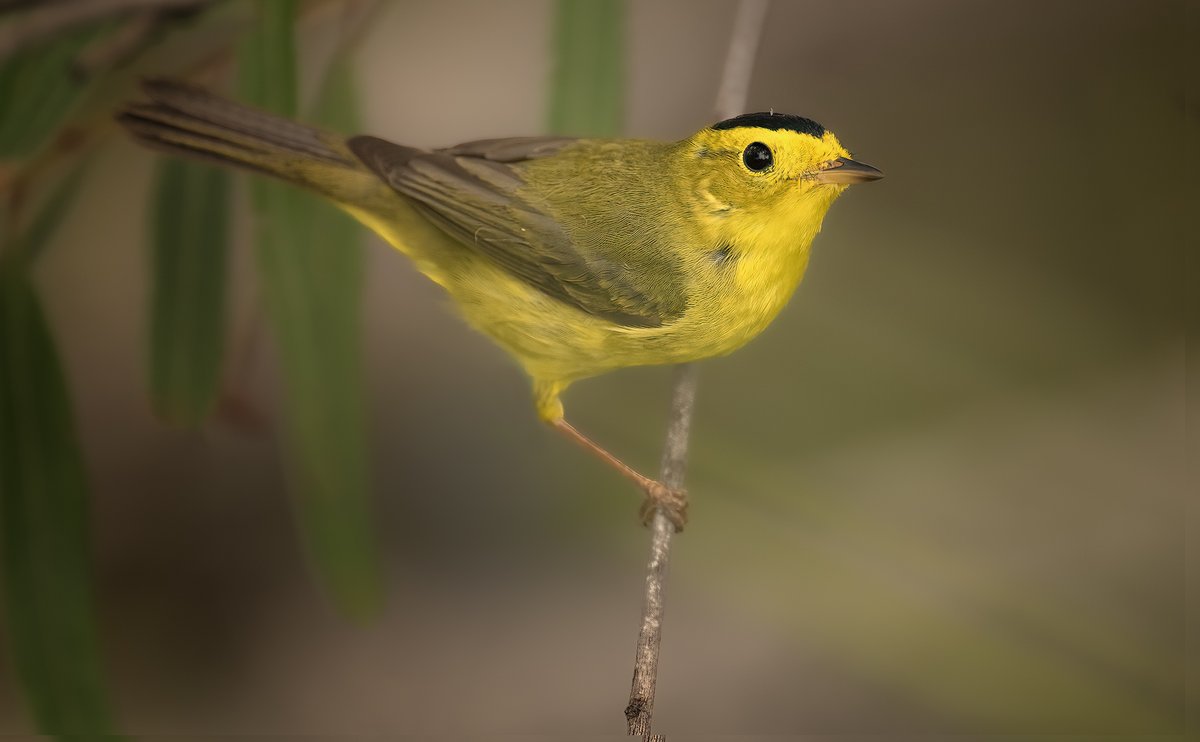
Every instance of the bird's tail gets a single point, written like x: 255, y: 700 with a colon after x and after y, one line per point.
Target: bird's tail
x: 186, y: 120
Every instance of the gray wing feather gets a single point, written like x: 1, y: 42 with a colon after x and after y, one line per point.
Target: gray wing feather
x: 513, y: 149
x: 472, y: 192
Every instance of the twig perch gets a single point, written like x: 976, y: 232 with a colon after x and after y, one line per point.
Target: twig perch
x: 731, y: 99
x: 674, y: 463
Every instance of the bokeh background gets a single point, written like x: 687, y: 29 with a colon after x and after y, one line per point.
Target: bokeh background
x: 945, y: 493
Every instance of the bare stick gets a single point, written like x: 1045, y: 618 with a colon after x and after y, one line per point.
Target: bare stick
x: 42, y: 22
x: 640, y: 708
x: 731, y: 99
x: 117, y: 47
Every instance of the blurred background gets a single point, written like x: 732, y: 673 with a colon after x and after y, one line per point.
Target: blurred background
x: 944, y: 493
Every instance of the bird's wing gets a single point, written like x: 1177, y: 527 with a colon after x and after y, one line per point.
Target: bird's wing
x: 473, y: 192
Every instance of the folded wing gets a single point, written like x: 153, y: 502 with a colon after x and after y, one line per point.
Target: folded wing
x: 475, y: 193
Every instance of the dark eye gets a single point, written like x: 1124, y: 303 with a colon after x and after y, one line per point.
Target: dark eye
x: 758, y: 157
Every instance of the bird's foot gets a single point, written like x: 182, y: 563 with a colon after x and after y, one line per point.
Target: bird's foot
x: 673, y: 504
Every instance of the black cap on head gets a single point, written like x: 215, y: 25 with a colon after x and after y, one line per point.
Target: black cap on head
x: 774, y: 122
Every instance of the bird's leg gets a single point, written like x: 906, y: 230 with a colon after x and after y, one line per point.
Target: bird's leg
x: 672, y: 502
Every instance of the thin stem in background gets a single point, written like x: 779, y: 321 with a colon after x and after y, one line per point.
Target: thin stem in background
x: 47, y: 20
x: 731, y: 99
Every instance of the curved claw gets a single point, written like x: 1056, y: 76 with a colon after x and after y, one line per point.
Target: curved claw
x: 673, y: 504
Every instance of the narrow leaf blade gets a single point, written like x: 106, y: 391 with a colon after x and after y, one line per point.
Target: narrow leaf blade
x: 586, y: 96
x: 44, y: 525
x: 189, y: 257
x: 310, y: 273
x: 267, y: 58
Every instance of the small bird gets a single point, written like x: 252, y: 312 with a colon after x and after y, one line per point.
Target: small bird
x: 577, y: 256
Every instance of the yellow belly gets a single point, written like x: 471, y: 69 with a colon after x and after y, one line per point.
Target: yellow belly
x: 557, y: 343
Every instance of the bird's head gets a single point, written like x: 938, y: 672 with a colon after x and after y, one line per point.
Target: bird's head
x: 768, y: 172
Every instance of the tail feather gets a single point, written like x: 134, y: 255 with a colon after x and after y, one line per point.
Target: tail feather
x: 187, y: 120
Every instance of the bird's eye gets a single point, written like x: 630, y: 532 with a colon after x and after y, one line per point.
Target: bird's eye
x: 758, y: 157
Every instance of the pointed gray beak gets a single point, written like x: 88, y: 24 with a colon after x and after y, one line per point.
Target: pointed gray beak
x: 847, y: 171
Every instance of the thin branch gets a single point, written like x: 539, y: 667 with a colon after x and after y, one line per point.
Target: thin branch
x: 118, y: 47
x: 739, y: 61
x: 731, y: 99
x: 639, y: 710
x: 45, y: 21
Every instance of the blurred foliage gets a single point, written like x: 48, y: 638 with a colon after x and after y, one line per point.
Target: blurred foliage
x: 267, y: 60
x: 44, y: 505
x: 44, y: 511
x: 190, y: 244
x: 39, y: 89
x: 310, y: 272
x: 588, y: 89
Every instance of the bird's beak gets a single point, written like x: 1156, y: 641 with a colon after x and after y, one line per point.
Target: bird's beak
x: 847, y: 171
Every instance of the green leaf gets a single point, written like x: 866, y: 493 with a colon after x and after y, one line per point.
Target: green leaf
x: 44, y: 526
x: 310, y: 268
x: 267, y: 58
x: 310, y: 272
x: 586, y: 95
x: 187, y: 320
x: 38, y: 91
